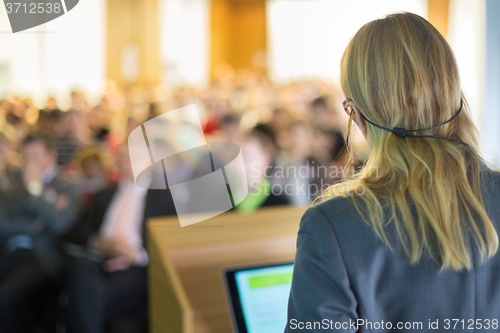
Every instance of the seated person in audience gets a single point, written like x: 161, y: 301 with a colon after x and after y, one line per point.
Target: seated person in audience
x: 322, y: 117
x: 93, y: 170
x: 7, y: 164
x: 333, y: 158
x: 280, y: 121
x: 259, y: 150
x: 229, y: 129
x: 37, y: 206
x: 94, y: 164
x: 72, y: 133
x: 296, y: 167
x: 102, y: 292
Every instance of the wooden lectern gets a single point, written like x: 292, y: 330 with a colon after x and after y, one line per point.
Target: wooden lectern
x: 186, y: 264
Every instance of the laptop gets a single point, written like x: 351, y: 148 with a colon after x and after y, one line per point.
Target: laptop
x: 257, y: 297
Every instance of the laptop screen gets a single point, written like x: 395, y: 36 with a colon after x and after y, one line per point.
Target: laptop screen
x: 262, y: 297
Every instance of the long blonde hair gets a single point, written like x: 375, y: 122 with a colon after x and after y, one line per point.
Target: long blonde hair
x: 400, y: 72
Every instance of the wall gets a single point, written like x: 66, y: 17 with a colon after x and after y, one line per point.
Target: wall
x: 132, y: 42
x: 238, y: 32
x: 184, y: 41
x: 490, y: 131
x: 307, y: 38
x: 467, y: 38
x: 55, y: 57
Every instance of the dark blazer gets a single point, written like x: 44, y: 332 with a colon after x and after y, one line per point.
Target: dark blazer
x: 158, y: 203
x: 36, y: 217
x: 343, y: 273
x: 22, y: 213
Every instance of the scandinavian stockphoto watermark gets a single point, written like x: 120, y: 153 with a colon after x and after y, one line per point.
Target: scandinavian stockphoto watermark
x: 309, y: 180
x: 165, y: 148
x: 26, y: 14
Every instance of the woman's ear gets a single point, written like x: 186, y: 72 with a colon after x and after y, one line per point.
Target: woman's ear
x: 360, y: 120
x: 347, y: 112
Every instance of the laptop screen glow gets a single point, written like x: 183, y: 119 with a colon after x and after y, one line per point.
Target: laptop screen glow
x: 264, y: 294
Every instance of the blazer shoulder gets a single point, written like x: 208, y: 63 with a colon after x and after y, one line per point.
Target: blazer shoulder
x: 332, y: 212
x: 491, y: 176
x: 338, y: 208
x: 490, y: 184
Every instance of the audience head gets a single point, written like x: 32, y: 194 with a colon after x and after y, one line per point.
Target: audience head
x: 40, y: 150
x: 301, y: 138
x: 321, y: 116
x: 280, y: 120
x: 95, y: 166
x: 78, y: 101
x: 258, y: 149
x: 48, y: 120
x: 319, y: 105
x: 334, y: 146
x: 51, y: 104
x: 230, y: 127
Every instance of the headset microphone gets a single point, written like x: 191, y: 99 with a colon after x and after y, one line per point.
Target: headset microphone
x: 404, y: 133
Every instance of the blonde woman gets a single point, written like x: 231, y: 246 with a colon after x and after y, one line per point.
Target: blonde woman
x: 409, y: 243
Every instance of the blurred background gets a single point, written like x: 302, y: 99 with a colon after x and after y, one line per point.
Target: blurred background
x: 228, y: 56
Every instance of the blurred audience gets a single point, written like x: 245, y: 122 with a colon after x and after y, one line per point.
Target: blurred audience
x: 106, y: 289
x: 296, y: 163
x: 71, y: 133
x: 259, y: 150
x: 68, y: 201
x: 37, y: 206
x: 94, y: 166
x: 7, y: 159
